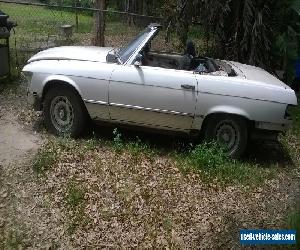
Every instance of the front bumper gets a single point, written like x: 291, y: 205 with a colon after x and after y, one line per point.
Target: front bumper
x: 34, y: 100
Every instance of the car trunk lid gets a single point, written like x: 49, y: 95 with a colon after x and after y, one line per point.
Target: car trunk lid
x: 257, y: 74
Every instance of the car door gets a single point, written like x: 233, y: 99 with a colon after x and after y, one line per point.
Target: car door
x: 153, y: 97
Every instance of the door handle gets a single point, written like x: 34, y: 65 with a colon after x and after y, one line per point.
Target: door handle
x: 187, y: 86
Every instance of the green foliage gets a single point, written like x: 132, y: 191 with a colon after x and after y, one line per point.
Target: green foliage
x: 75, y: 201
x: 134, y: 147
x: 117, y: 140
x: 138, y: 147
x: 255, y: 32
x: 209, y: 155
x: 14, y: 240
x: 44, y: 160
x: 75, y: 195
x: 210, y: 160
x: 295, y: 113
x: 294, y: 224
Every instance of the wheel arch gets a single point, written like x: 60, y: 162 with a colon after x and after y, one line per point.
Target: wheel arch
x: 61, y: 82
x: 231, y: 113
x: 65, y: 81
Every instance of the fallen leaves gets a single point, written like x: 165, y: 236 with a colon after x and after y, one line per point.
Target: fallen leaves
x: 130, y: 200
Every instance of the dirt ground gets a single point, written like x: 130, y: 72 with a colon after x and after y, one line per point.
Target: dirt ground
x: 184, y: 212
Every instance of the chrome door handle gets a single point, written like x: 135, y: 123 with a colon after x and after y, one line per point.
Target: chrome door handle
x: 187, y: 86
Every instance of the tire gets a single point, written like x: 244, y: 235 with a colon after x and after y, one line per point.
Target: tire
x: 230, y: 131
x: 64, y: 112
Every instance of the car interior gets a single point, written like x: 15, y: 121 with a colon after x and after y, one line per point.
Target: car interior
x: 189, y: 61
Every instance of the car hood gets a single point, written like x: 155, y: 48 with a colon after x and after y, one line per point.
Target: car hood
x: 257, y: 74
x: 80, y: 53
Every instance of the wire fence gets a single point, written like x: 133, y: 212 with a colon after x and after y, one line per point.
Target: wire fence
x: 41, y: 26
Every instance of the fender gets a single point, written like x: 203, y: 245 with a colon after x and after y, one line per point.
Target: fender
x: 220, y: 109
x: 225, y: 109
x: 61, y: 78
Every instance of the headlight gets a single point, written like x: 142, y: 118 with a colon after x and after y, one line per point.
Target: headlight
x: 26, y: 77
x: 289, y: 112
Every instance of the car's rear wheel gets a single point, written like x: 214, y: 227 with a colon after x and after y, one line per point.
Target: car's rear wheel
x: 229, y: 131
x: 64, y: 112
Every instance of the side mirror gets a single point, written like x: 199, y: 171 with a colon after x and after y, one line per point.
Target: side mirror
x: 138, y: 60
x: 137, y: 63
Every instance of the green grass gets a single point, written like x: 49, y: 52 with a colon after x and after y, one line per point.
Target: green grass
x: 135, y: 147
x: 43, y: 20
x: 44, y: 160
x: 210, y: 161
x: 14, y: 240
x: 75, y: 195
x: 206, y: 159
x: 39, y: 22
x: 296, y: 119
x: 294, y: 224
x: 75, y: 201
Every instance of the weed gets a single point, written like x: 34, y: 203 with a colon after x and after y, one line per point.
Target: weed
x: 14, y: 240
x: 210, y: 160
x: 208, y: 155
x: 75, y: 201
x: 91, y: 144
x: 294, y: 224
x: 295, y: 113
x: 138, y: 147
x: 75, y: 195
x: 77, y: 219
x: 43, y: 160
x: 118, y: 144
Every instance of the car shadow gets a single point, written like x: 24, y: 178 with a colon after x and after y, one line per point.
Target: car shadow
x: 267, y: 153
x: 264, y: 154
x: 164, y: 142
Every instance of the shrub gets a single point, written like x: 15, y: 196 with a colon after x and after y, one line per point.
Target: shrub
x: 208, y: 155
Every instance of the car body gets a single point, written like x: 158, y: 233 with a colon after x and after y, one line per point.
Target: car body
x: 114, y: 85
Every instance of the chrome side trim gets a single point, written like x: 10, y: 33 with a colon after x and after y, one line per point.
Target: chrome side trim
x: 96, y: 102
x: 148, y: 125
x: 119, y: 105
x: 150, y: 109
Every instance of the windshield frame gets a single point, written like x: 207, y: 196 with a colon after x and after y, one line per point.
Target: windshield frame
x: 139, y: 43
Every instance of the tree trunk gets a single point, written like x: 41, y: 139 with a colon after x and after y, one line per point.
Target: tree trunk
x: 99, y: 23
x: 130, y: 9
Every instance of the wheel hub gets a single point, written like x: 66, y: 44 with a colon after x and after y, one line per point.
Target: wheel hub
x: 227, y: 135
x: 62, y: 115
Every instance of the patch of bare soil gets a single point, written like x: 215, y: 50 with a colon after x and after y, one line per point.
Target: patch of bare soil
x: 96, y: 197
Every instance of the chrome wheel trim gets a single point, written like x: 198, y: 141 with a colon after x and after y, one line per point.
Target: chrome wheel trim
x: 62, y: 114
x: 228, y: 135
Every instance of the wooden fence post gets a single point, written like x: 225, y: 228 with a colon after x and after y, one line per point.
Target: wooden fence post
x: 76, y: 15
x: 99, y: 24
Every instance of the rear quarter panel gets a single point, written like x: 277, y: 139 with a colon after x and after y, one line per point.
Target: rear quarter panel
x: 250, y: 99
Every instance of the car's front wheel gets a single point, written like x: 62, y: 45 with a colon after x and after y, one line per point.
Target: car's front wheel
x: 229, y: 131
x: 64, y: 112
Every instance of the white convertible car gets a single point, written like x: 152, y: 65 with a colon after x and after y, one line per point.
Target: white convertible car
x: 221, y: 100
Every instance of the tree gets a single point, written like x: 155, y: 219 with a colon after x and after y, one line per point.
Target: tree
x: 99, y: 23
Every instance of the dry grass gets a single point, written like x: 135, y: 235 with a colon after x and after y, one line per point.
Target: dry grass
x: 143, y: 200
x: 114, y: 193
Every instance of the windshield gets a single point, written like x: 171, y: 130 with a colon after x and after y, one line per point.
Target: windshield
x: 128, y: 50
